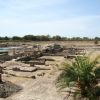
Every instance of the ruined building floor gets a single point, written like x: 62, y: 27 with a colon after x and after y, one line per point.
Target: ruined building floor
x: 41, y: 88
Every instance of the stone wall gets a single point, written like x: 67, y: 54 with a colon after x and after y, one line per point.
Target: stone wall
x: 7, y: 57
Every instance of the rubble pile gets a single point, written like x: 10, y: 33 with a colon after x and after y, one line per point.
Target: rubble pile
x: 7, y: 88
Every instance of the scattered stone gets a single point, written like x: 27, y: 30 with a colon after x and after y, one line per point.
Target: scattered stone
x: 8, y: 88
x: 41, y: 74
x: 33, y: 77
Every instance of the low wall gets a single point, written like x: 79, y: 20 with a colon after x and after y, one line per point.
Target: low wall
x: 7, y: 57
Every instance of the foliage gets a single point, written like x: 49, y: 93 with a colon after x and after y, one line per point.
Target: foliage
x: 46, y: 38
x: 57, y: 37
x: 96, y: 42
x: 80, y: 74
x: 16, y: 38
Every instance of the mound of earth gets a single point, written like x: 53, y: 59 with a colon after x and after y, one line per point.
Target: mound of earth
x: 8, y: 88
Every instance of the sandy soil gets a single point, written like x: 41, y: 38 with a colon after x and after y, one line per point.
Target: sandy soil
x: 41, y: 88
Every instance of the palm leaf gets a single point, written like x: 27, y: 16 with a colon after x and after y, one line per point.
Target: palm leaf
x: 80, y: 72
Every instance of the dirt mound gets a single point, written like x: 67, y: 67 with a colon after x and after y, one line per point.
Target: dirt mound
x: 8, y: 88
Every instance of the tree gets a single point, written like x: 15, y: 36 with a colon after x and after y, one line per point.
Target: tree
x: 97, y: 38
x: 1, y: 38
x: 86, y: 38
x: 6, y: 38
x: 16, y: 38
x: 76, y: 39
x: 81, y: 75
x: 57, y: 37
x: 44, y: 37
x: 29, y: 37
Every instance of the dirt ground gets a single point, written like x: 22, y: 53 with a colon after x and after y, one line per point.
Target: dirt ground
x: 41, y: 88
x: 85, y: 43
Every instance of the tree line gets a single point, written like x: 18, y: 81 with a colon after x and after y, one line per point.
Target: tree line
x: 46, y: 38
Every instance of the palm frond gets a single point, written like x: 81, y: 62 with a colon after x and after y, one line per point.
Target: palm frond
x: 79, y: 73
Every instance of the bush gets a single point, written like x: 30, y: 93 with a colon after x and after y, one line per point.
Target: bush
x: 96, y: 42
x: 80, y: 74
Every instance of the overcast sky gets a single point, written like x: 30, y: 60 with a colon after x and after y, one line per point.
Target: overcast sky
x: 54, y: 17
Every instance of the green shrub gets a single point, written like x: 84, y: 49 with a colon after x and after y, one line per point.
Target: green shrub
x: 80, y: 74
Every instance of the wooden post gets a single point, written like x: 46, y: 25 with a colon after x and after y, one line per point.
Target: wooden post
x: 0, y: 78
x: 1, y: 74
